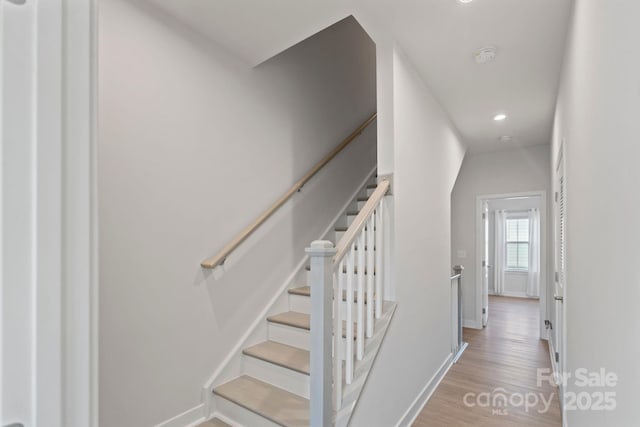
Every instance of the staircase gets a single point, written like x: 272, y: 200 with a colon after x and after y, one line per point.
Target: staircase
x: 273, y: 388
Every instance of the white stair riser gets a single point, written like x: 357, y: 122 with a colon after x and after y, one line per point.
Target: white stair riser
x: 300, y: 304
x: 361, y: 205
x: 339, y: 235
x: 295, y: 337
x: 355, y: 279
x: 284, y: 378
x: 242, y: 417
x: 370, y: 191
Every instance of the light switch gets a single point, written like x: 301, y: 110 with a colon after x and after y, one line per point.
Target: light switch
x: 462, y: 254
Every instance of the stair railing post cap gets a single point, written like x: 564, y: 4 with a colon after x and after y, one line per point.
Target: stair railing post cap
x: 321, y: 248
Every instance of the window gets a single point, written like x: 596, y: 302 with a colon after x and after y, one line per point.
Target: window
x: 517, y: 236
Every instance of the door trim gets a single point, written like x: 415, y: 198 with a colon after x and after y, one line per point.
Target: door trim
x: 63, y: 304
x: 560, y: 346
x: 544, y: 252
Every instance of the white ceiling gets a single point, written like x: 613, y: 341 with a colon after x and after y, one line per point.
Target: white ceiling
x: 439, y: 37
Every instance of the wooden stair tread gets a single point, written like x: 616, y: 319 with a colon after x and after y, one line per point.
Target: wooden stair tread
x: 266, y: 400
x: 305, y: 291
x: 214, y: 423
x: 292, y: 318
x: 293, y: 358
x: 302, y: 321
x: 370, y: 186
x: 363, y: 199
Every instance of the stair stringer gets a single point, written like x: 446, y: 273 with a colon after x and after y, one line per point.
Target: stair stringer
x: 231, y: 367
x: 352, y: 392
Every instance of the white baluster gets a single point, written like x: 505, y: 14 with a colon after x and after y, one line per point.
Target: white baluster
x: 370, y: 277
x: 349, y: 323
x: 379, y: 231
x: 338, y: 351
x: 360, y: 296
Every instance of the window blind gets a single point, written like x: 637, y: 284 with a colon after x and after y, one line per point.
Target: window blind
x: 517, y: 244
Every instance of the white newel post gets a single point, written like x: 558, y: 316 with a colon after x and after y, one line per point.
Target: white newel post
x: 321, y: 254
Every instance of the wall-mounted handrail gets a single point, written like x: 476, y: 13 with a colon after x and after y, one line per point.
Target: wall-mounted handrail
x: 360, y: 221
x: 220, y: 258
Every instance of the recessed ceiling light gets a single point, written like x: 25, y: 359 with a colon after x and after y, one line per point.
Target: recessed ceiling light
x: 465, y: 1
x: 499, y: 117
x: 485, y: 54
x: 505, y: 138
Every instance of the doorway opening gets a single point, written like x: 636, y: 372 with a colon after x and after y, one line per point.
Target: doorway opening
x: 511, y: 236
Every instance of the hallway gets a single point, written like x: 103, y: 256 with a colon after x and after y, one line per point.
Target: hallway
x: 506, y: 354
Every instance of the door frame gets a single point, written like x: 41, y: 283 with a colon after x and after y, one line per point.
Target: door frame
x: 484, y: 267
x: 558, y: 343
x: 61, y: 200
x: 544, y: 252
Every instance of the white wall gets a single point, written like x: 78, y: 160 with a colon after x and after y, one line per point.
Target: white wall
x: 597, y: 116
x: 385, y: 95
x: 503, y: 172
x: 194, y: 145
x: 427, y: 155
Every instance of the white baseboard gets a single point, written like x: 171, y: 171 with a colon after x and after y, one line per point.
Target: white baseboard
x: 416, y: 407
x: 192, y: 417
x: 513, y: 295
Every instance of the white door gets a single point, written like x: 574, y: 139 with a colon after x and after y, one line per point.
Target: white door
x: 485, y: 263
x: 560, y: 268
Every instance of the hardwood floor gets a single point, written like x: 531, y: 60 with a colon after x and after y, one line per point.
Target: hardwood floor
x: 506, y: 354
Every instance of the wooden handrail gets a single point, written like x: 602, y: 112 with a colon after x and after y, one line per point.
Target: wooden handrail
x: 244, y: 234
x: 361, y: 220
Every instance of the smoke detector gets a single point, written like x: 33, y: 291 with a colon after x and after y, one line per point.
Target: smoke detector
x: 485, y: 54
x: 505, y: 138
